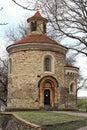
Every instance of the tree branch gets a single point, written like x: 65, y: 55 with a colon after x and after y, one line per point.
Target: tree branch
x: 22, y: 6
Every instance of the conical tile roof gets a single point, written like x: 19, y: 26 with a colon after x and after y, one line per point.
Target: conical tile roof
x: 37, y: 16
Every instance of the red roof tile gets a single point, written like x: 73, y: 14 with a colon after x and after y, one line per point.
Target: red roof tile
x: 37, y: 16
x: 68, y: 65
x: 37, y: 38
x: 71, y: 66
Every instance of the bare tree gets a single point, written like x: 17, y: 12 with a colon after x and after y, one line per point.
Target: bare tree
x: 3, y: 80
x: 3, y: 76
x: 29, y: 5
x: 14, y: 34
x: 67, y: 18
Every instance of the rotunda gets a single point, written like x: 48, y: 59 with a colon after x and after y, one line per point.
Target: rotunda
x: 39, y: 76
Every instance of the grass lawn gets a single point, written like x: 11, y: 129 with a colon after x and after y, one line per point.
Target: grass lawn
x: 82, y: 104
x: 63, y: 121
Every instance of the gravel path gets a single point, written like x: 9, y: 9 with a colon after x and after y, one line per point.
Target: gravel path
x: 83, y: 128
x: 75, y: 114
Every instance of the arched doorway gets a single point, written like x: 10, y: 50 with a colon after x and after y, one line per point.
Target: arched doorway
x: 48, y: 91
x: 46, y: 97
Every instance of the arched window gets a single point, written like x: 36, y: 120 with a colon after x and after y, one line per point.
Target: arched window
x: 10, y: 65
x: 44, y: 27
x: 47, y: 63
x: 33, y: 26
x: 72, y: 87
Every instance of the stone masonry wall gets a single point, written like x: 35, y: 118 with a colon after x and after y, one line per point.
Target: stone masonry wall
x: 27, y: 70
x: 12, y: 122
x: 68, y: 97
x: 72, y: 96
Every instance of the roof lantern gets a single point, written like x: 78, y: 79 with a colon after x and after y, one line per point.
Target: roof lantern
x: 37, y: 24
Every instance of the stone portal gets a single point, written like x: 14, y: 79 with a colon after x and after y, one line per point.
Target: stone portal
x: 48, y: 91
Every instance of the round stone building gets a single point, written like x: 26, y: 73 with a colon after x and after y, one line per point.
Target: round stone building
x: 39, y: 76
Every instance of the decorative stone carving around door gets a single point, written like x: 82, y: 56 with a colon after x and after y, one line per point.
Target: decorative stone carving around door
x: 48, y: 91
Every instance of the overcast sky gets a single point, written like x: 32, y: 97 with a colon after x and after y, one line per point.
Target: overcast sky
x: 12, y: 14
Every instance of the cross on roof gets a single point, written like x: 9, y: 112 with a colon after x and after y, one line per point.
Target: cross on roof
x: 37, y: 6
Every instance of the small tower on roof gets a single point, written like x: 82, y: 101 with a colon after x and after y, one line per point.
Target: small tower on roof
x: 37, y: 24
